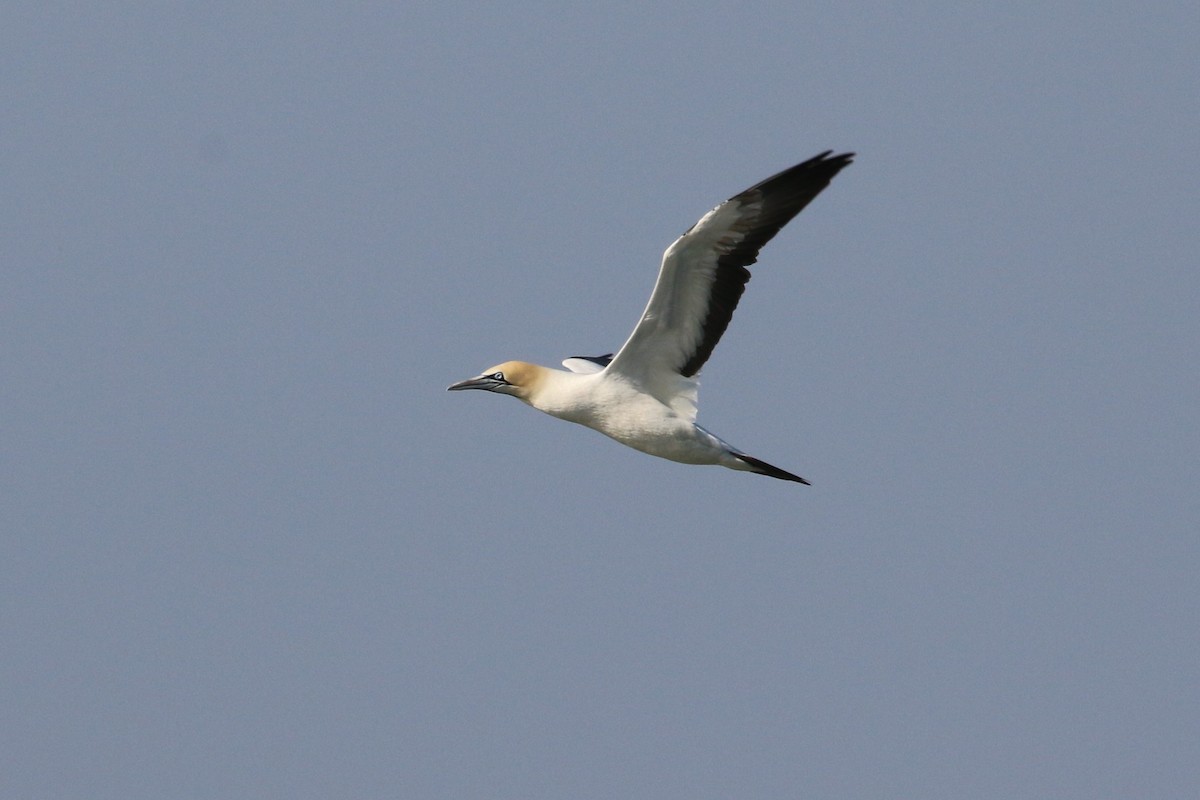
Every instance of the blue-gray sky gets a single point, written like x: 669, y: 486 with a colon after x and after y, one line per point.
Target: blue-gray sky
x: 252, y: 548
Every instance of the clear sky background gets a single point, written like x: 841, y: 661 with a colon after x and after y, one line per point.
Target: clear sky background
x: 252, y: 548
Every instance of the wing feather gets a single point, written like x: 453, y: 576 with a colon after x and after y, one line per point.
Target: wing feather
x: 587, y: 364
x: 703, y: 276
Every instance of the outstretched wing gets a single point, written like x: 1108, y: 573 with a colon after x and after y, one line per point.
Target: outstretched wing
x: 587, y: 364
x: 702, y: 278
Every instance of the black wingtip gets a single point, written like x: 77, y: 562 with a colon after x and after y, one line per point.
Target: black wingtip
x: 798, y: 185
x: 763, y: 468
x: 602, y: 361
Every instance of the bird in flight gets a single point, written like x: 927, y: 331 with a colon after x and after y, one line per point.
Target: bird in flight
x: 645, y: 395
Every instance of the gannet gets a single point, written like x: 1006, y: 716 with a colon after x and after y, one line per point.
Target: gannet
x: 645, y: 395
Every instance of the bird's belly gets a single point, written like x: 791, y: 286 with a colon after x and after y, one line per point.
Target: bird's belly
x: 639, y: 421
x: 671, y: 438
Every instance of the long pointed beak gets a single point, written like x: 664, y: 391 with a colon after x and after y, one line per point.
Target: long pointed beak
x: 472, y: 383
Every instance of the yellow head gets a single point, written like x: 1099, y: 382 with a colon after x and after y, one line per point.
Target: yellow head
x: 518, y: 378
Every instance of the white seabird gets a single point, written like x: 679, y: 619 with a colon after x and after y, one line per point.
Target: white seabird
x: 645, y: 395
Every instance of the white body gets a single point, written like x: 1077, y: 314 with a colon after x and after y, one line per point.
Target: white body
x: 645, y: 395
x: 611, y: 404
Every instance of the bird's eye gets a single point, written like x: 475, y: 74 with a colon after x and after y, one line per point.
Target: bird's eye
x: 498, y: 376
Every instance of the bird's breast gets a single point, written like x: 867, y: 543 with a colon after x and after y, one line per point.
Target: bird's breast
x: 621, y: 411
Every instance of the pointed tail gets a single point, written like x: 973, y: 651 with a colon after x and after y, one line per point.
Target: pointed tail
x: 760, y: 467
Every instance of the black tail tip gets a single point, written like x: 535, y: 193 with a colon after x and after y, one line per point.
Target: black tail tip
x: 761, y: 467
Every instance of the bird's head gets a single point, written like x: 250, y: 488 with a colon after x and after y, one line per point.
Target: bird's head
x: 512, y: 377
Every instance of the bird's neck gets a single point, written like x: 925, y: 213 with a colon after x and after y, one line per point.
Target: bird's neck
x: 561, y: 394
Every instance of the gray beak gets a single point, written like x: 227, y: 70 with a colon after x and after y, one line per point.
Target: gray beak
x: 483, y: 382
